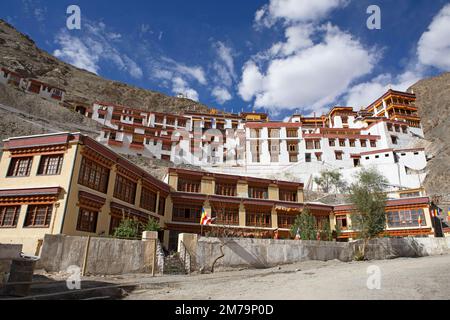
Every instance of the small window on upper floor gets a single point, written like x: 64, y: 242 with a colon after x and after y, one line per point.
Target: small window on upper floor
x: 394, y: 139
x: 20, y: 167
x: 50, y: 165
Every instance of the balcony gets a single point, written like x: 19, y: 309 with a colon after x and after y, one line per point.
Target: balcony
x: 137, y: 146
x: 115, y: 143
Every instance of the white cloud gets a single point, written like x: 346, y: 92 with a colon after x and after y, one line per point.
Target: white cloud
x: 193, y: 72
x: 93, y: 46
x: 298, y: 37
x: 180, y: 86
x: 223, y: 66
x: 434, y: 45
x: 363, y: 94
x: 75, y: 52
x: 296, y: 11
x: 310, y: 78
x: 222, y: 95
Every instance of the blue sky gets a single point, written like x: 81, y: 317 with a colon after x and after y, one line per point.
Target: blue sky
x: 282, y: 56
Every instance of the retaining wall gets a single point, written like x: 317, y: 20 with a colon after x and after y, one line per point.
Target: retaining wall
x: 264, y: 253
x: 105, y: 256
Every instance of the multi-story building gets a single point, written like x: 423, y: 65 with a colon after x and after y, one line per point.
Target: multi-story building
x: 30, y: 85
x: 384, y: 135
x: 71, y: 184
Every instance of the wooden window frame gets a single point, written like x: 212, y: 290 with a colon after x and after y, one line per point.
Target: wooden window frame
x: 258, y: 219
x: 148, y: 199
x: 225, y: 216
x: 180, y: 212
x: 288, y: 195
x: 91, y: 223
x: 94, y: 175
x: 32, y: 214
x: 45, y: 165
x: 17, y: 165
x: 14, y: 219
x: 258, y: 192
x: 228, y: 189
x: 189, y: 185
x: 125, y: 189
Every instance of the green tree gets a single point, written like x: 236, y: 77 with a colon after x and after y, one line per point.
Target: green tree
x: 305, y: 225
x: 127, y: 229
x: 326, y: 234
x: 368, y: 196
x: 152, y: 225
x: 330, y: 180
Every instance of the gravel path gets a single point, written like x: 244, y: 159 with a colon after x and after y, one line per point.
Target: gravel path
x: 422, y: 278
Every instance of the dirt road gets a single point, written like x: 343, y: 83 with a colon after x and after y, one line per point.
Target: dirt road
x: 422, y: 278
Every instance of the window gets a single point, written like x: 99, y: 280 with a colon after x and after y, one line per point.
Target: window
x: 148, y: 200
x: 293, y: 158
x: 162, y: 206
x: 373, y: 143
x: 93, y: 175
x: 338, y: 155
x: 226, y: 216
x: 397, y: 128
x: 101, y: 116
x: 308, y: 157
x: 50, y: 165
x: 394, y: 140
x: 309, y: 144
x: 87, y: 220
x: 317, y: 144
x: 256, y: 218
x: 319, y: 156
x: 404, y: 129
x: 9, y: 216
x: 332, y: 142
x: 192, y: 186
x: 389, y: 126
x: 405, y: 218
x: 125, y: 189
x: 352, y: 143
x: 226, y: 189
x: 292, y: 133
x: 274, y: 133
x: 38, y: 216
x: 344, y: 120
x: 20, y: 167
x: 258, y: 192
x: 341, y: 221
x: 363, y: 143
x: 292, y: 147
x: 285, y: 221
x: 342, y: 142
x: 288, y: 195
x: 187, y: 213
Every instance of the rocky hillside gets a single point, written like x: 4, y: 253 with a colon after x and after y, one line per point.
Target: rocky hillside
x: 19, y: 53
x: 27, y: 114
x: 433, y: 100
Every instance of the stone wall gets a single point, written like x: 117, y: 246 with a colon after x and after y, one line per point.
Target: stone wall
x: 265, y: 253
x: 105, y: 256
x: 8, y: 252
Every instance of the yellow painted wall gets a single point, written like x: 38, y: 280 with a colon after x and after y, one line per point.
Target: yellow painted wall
x: 29, y: 237
x: 273, y: 192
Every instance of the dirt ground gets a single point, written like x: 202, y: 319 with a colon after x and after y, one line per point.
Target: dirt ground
x: 422, y: 278
x: 400, y: 279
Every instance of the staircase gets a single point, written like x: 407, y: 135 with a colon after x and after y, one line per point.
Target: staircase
x: 174, y: 265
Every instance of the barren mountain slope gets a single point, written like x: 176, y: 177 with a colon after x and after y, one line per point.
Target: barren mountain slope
x: 433, y: 101
x: 19, y: 53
